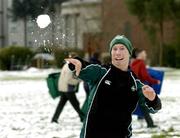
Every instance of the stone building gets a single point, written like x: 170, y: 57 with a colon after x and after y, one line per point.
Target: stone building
x: 11, y: 32
x: 98, y: 21
x: 84, y: 24
x: 70, y: 23
x: 116, y: 19
x: 83, y: 18
x: 3, y: 23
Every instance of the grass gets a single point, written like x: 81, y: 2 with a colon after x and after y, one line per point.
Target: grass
x: 166, y: 134
x: 21, y: 78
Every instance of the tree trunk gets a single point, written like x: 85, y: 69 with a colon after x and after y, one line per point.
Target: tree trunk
x: 53, y: 28
x: 25, y: 32
x: 161, y: 43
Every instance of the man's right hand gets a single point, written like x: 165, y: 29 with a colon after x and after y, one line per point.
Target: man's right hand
x: 76, y: 63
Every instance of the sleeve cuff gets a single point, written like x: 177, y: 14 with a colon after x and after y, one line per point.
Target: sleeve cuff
x: 155, y: 104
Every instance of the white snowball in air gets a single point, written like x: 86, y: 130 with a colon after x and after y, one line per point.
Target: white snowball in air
x: 43, y: 20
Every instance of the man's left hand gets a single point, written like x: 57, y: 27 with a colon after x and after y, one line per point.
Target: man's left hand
x: 149, y: 92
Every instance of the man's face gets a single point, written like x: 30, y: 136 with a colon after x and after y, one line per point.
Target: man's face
x: 120, y: 56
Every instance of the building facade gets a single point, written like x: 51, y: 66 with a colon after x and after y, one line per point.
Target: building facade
x: 3, y: 23
x: 68, y: 25
x: 83, y: 19
x: 84, y: 24
x: 11, y: 32
x: 116, y: 19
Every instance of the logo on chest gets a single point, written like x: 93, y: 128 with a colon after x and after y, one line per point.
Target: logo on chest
x: 108, y: 82
x: 133, y: 88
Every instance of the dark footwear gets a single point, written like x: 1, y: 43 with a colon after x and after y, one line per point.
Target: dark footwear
x: 54, y: 121
x: 152, y: 126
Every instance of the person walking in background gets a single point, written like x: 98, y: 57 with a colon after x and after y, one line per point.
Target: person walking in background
x: 68, y: 86
x: 114, y: 94
x: 94, y: 59
x: 138, y: 66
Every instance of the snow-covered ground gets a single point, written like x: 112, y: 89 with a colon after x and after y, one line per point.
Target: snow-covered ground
x: 26, y: 108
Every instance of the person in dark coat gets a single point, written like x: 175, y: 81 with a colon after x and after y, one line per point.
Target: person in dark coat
x: 115, y: 92
x: 93, y: 60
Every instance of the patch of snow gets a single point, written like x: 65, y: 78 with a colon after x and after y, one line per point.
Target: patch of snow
x: 26, y: 109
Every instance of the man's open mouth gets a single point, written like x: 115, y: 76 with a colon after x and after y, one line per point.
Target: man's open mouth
x: 119, y: 59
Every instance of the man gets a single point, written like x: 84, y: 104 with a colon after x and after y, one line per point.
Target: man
x: 115, y: 92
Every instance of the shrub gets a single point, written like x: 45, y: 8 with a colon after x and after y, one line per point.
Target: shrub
x: 14, y: 57
x: 60, y: 54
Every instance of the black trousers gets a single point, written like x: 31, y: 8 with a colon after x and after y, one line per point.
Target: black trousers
x: 71, y: 97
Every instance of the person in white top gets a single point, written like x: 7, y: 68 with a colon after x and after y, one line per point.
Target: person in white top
x: 68, y: 86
